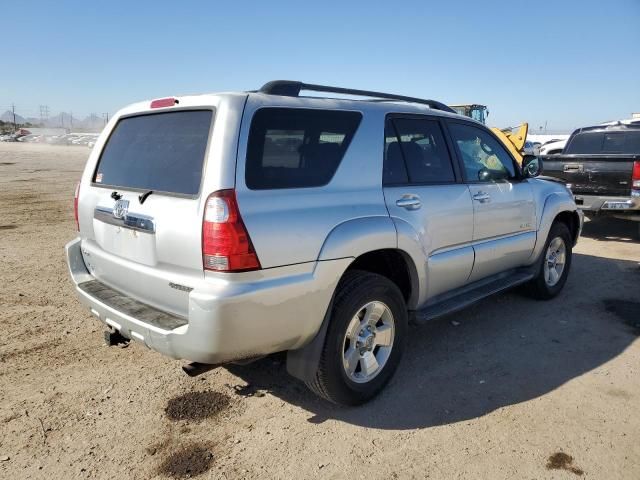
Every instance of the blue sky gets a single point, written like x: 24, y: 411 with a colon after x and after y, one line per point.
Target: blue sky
x: 569, y: 63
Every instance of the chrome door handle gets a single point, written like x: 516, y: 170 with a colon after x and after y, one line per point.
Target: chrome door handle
x: 410, y: 202
x: 573, y: 167
x: 482, y: 197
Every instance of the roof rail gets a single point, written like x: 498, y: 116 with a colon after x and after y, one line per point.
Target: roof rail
x: 291, y: 88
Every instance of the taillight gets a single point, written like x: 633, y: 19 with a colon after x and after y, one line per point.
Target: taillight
x: 226, y: 246
x: 635, y: 176
x: 164, y: 102
x: 75, y: 205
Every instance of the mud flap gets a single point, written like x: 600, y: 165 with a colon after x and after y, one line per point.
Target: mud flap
x: 302, y: 363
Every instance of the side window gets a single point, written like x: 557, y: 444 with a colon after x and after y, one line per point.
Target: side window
x: 586, y: 142
x: 297, y: 148
x: 484, y: 157
x: 395, y: 173
x: 421, y: 144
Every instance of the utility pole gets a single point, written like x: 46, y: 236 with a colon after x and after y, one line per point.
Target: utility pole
x: 105, y: 116
x: 71, y: 121
x: 13, y: 110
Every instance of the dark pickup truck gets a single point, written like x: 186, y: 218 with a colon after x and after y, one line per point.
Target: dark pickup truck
x: 601, y: 166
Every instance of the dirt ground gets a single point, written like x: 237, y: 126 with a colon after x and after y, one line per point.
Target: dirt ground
x: 513, y: 389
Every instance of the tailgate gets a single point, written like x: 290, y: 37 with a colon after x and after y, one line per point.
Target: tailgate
x: 604, y: 175
x: 140, y: 212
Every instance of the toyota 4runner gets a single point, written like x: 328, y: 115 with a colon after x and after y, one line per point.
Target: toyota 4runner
x: 222, y: 228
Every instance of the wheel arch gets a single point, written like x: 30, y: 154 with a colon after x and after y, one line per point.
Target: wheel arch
x: 372, y: 244
x: 557, y: 207
x: 572, y: 220
x: 394, y: 264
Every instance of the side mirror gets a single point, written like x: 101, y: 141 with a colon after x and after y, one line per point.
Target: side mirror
x: 531, y: 166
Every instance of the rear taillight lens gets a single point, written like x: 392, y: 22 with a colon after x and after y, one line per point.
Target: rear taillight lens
x: 226, y: 246
x: 635, y: 177
x: 75, y: 205
x: 164, y: 102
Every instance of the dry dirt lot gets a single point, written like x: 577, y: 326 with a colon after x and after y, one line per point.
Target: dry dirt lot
x: 514, y: 389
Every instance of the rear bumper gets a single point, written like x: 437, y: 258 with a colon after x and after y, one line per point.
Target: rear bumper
x: 614, y: 205
x: 243, y: 317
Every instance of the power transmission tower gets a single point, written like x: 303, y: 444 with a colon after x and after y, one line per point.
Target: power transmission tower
x: 44, y: 113
x: 105, y: 116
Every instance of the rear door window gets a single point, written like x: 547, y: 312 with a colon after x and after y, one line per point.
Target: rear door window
x: 163, y: 152
x: 420, y: 145
x: 297, y: 148
x: 395, y: 171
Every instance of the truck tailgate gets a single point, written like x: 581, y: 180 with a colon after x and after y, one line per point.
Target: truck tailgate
x: 593, y: 174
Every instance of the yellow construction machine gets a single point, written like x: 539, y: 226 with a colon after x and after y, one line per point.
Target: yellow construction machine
x: 512, y: 138
x: 472, y: 110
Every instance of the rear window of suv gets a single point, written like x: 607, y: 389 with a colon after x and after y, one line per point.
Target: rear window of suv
x: 297, y: 148
x: 163, y: 152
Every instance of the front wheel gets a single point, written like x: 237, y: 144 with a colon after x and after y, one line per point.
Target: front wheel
x: 365, y: 339
x: 555, y: 263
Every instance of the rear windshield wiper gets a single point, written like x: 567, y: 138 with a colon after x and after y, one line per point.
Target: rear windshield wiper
x: 144, y: 196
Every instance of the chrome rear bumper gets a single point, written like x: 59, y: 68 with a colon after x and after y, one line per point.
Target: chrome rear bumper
x: 608, y: 204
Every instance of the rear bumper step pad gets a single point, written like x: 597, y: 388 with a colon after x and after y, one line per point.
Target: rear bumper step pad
x: 138, y: 310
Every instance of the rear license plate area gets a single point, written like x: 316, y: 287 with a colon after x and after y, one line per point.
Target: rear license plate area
x: 615, y: 205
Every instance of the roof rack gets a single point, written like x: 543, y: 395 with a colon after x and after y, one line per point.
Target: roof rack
x: 291, y: 88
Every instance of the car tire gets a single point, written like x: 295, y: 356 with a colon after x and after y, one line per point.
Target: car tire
x: 554, y: 263
x: 368, y: 328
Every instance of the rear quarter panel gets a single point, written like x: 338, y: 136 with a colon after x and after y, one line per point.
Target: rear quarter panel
x: 290, y: 226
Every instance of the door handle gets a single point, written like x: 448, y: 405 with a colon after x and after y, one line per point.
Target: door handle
x: 410, y: 202
x: 573, y: 167
x: 482, y: 197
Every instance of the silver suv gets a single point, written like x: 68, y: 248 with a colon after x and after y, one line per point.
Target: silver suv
x: 222, y: 228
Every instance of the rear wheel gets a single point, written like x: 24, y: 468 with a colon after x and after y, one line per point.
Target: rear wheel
x: 365, y: 339
x: 555, y: 263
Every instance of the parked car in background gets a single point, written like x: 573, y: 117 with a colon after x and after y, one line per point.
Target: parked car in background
x: 601, y: 165
x: 84, y: 139
x: 552, y: 148
x: 31, y: 138
x: 224, y: 227
x: 63, y: 139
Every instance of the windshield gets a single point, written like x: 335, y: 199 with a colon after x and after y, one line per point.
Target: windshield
x: 477, y: 113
